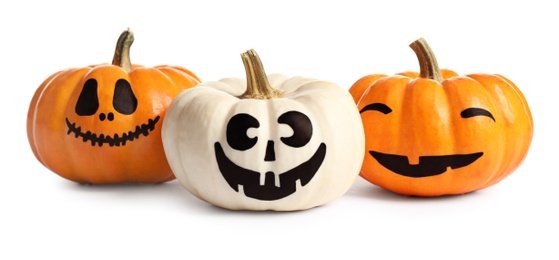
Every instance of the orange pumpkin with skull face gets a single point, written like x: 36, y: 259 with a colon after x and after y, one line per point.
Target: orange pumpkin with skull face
x: 437, y: 133
x: 101, y: 124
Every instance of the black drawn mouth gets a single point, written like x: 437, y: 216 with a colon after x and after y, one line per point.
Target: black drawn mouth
x: 112, y: 140
x: 427, y: 166
x: 250, y: 180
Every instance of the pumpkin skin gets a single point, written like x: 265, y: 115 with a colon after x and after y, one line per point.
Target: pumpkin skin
x: 247, y: 150
x: 101, y: 124
x: 436, y: 133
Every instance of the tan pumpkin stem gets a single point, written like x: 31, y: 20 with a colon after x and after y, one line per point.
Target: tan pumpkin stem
x: 122, y: 51
x: 258, y: 86
x: 428, y: 66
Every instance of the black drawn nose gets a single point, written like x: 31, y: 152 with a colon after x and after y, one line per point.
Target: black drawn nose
x: 109, y: 116
x: 270, y: 153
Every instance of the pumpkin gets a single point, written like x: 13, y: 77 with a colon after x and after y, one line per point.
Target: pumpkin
x: 101, y: 124
x: 437, y: 133
x: 265, y: 143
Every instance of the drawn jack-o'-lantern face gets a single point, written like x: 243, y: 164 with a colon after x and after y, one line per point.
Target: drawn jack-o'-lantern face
x: 427, y: 165
x: 105, y: 114
x: 276, y: 185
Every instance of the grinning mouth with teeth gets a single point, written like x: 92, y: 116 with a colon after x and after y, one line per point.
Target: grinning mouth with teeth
x: 250, y: 180
x: 114, y: 140
x: 428, y: 165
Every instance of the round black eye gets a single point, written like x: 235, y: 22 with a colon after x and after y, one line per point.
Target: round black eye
x: 124, y: 100
x: 88, y: 102
x: 302, y: 128
x: 237, y: 131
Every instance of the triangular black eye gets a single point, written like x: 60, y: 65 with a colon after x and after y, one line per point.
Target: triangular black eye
x: 88, y: 102
x: 124, y: 100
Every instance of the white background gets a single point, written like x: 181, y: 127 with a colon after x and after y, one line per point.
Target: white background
x: 46, y: 217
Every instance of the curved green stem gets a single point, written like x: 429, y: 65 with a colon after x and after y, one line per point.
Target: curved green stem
x: 258, y: 86
x: 121, y: 57
x: 428, y: 66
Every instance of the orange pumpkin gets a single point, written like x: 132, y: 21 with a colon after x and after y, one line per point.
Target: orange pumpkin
x: 101, y: 124
x: 437, y: 133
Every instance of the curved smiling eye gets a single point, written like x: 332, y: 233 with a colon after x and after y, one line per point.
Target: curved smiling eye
x: 474, y: 111
x: 302, y: 128
x: 377, y: 107
x: 237, y: 131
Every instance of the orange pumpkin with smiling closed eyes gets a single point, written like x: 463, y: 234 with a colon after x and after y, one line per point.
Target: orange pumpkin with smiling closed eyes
x: 437, y: 133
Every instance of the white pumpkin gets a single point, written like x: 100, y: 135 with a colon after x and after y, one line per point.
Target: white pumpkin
x: 284, y: 144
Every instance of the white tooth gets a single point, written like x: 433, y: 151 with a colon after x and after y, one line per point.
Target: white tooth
x: 413, y: 160
x: 298, y: 184
x: 263, y: 179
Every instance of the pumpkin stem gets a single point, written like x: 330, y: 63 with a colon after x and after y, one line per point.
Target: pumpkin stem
x: 258, y: 86
x: 428, y: 66
x: 122, y: 51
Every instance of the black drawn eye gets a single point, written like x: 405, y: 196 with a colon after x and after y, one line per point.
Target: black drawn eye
x: 237, y: 131
x: 124, y: 100
x: 88, y: 102
x: 471, y: 112
x: 377, y: 107
x: 302, y: 128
